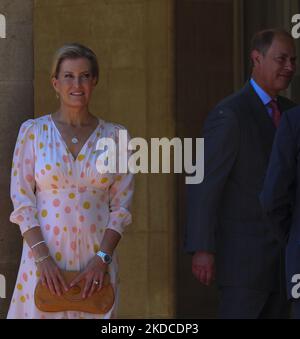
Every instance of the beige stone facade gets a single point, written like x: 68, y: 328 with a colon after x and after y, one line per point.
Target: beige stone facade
x: 16, y: 105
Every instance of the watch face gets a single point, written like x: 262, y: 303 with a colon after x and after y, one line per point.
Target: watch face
x: 107, y: 258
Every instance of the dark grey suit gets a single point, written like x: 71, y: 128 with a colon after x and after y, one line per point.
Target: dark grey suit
x: 224, y: 215
x: 281, y: 194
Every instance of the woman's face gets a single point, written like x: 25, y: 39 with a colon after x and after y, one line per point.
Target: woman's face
x: 75, y: 82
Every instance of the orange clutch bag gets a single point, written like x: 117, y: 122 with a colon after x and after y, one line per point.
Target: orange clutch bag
x: 99, y: 303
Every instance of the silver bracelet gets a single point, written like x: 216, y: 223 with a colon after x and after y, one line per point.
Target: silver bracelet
x: 41, y: 259
x: 38, y: 243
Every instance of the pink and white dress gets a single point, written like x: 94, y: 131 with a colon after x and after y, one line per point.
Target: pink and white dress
x: 72, y: 203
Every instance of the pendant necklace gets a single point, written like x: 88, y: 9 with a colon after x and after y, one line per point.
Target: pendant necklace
x: 75, y: 140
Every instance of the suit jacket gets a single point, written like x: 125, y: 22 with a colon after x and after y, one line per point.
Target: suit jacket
x: 280, y: 197
x: 224, y: 215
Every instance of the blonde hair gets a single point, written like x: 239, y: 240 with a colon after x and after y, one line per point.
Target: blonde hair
x: 74, y: 51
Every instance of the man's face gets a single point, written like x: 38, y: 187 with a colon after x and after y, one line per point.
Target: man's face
x: 275, y: 69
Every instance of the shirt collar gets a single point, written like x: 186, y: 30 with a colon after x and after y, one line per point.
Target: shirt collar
x: 264, y: 97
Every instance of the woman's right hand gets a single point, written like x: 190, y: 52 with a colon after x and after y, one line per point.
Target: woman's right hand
x: 51, y: 276
x: 50, y: 273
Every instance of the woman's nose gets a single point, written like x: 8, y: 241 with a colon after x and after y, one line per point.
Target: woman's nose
x: 77, y: 81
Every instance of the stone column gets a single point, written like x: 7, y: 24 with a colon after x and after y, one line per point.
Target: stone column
x: 16, y: 105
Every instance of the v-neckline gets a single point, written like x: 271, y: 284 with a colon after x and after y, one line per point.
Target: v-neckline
x: 65, y: 144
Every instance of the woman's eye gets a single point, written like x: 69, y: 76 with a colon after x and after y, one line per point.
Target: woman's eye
x: 68, y: 76
x: 87, y: 75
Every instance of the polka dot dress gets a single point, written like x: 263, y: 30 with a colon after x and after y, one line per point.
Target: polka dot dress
x: 71, y: 202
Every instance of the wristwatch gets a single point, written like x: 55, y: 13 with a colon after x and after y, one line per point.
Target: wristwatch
x: 106, y: 258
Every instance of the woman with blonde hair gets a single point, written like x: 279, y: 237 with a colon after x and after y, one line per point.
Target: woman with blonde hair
x: 71, y: 216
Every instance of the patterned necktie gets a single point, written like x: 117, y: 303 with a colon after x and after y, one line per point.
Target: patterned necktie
x: 276, y: 114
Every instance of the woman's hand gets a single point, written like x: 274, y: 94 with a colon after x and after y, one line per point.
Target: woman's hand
x: 51, y: 277
x: 93, y: 276
x: 50, y: 274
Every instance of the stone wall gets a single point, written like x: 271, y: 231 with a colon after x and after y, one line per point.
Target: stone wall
x: 16, y: 105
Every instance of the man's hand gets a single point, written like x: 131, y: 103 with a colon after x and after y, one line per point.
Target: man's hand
x: 203, y: 267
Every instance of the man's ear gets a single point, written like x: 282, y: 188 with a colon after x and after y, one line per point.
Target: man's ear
x: 256, y: 57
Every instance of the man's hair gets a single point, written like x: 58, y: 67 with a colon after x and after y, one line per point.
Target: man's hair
x: 263, y: 40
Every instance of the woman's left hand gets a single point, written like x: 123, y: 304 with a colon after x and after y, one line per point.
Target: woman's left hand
x: 93, y: 276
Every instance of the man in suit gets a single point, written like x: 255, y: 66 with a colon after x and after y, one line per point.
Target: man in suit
x: 280, y: 198
x: 226, y: 231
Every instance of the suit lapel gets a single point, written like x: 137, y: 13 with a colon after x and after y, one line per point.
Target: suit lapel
x: 263, y: 121
x: 285, y: 104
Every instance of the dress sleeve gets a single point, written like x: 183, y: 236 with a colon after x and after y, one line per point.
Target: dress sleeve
x: 120, y: 198
x: 23, y: 180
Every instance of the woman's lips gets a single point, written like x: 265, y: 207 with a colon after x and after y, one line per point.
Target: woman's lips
x: 77, y: 94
